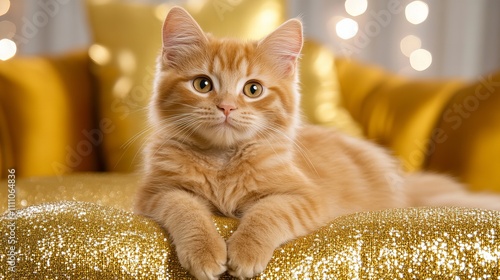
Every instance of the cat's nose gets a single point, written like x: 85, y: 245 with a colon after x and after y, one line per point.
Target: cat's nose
x: 226, y: 108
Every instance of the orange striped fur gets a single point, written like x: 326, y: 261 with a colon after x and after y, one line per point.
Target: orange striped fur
x: 251, y: 158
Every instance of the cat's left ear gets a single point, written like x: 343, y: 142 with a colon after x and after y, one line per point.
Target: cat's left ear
x: 284, y: 45
x: 181, y: 35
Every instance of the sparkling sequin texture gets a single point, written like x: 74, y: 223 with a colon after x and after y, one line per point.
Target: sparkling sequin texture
x: 81, y: 240
x: 110, y: 189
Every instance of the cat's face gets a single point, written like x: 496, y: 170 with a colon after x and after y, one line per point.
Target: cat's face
x: 225, y: 91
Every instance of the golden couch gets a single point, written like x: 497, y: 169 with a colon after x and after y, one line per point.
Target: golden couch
x: 72, y: 126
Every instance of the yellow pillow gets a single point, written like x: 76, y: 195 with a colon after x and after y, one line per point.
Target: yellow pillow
x: 48, y: 115
x: 6, y: 150
x: 396, y: 112
x: 470, y: 125
x: 322, y: 101
x: 128, y: 38
x: 448, y: 126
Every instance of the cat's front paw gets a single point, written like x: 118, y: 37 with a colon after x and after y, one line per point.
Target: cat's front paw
x: 205, y: 258
x: 247, y: 256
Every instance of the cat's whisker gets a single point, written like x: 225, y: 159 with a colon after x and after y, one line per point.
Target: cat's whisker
x: 266, y: 137
x: 148, y: 138
x: 125, y: 146
x: 181, y: 129
x: 303, y: 152
x: 184, y: 104
x: 148, y: 128
x: 199, y: 124
x: 298, y: 145
x: 165, y: 125
x: 139, y: 109
x: 134, y: 138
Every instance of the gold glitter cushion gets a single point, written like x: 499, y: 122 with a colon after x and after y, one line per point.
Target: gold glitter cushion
x: 108, y: 189
x: 81, y: 240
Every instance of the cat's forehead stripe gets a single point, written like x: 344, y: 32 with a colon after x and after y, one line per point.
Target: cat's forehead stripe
x: 230, y: 56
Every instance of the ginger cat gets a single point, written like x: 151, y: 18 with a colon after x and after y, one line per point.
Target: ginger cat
x: 228, y: 140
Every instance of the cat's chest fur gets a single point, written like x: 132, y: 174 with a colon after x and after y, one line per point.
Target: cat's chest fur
x: 230, y: 179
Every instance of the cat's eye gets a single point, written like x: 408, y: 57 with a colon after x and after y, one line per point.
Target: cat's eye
x: 253, y: 89
x: 202, y: 84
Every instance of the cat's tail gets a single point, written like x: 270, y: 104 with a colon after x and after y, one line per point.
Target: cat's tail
x: 427, y: 189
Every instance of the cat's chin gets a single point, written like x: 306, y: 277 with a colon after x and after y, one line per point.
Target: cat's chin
x: 226, y: 135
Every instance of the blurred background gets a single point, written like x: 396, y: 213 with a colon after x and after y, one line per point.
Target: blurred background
x: 423, y: 38
x: 74, y: 99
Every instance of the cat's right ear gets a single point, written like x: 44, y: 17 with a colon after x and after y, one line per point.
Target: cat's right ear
x: 181, y: 34
x: 284, y: 45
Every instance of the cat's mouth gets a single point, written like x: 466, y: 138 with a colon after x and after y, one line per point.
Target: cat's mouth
x: 226, y: 130
x: 227, y: 122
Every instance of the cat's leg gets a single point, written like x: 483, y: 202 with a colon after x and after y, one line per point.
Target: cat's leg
x: 188, y: 219
x: 266, y: 225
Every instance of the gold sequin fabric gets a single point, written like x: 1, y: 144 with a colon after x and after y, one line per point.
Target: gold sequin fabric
x: 83, y: 240
x: 107, y: 188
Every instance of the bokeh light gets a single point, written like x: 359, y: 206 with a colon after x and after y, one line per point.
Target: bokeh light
x: 346, y: 28
x: 323, y: 64
x: 416, y: 12
x: 409, y: 44
x: 7, y: 49
x: 4, y: 7
x: 195, y: 6
x: 420, y: 59
x: 122, y: 87
x: 126, y: 61
x: 99, y: 54
x: 161, y: 11
x: 100, y: 2
x: 356, y: 7
x: 265, y: 21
